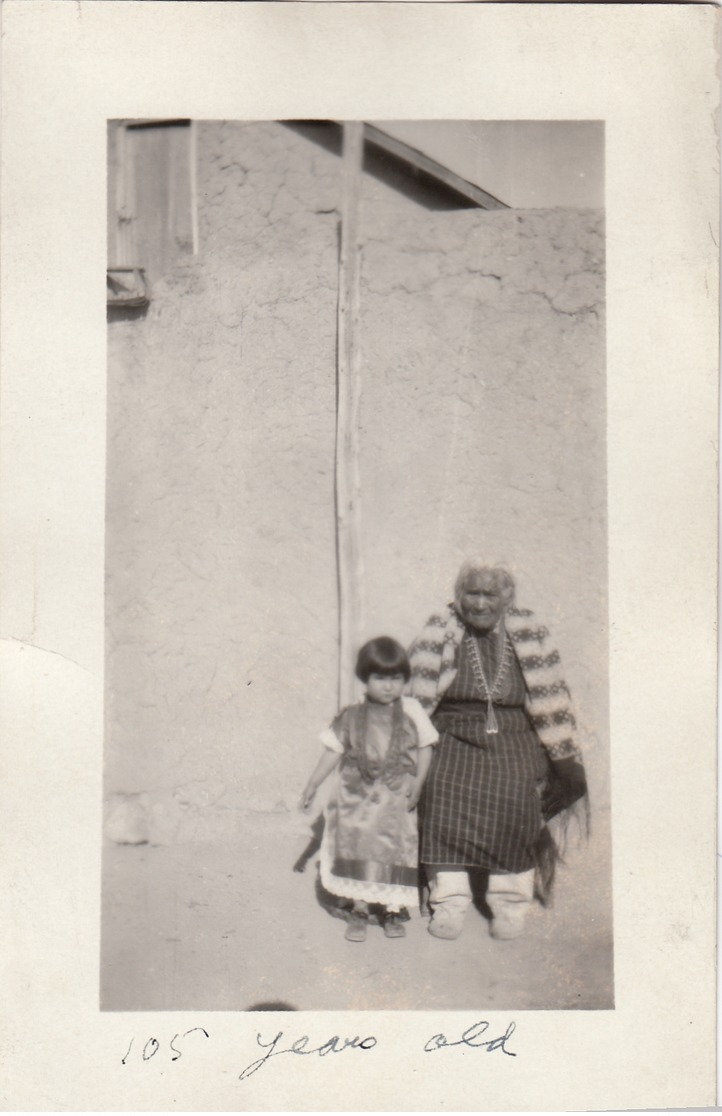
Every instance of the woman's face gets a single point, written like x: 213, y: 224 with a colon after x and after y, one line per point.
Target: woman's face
x: 482, y: 601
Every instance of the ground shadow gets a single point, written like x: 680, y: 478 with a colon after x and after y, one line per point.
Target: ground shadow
x: 313, y: 845
x: 479, y: 881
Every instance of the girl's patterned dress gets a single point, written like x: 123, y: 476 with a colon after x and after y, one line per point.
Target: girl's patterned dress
x: 370, y: 850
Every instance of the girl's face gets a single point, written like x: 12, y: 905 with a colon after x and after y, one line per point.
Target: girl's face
x: 385, y: 688
x: 482, y: 601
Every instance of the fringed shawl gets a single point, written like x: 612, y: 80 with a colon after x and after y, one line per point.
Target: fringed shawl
x: 434, y: 656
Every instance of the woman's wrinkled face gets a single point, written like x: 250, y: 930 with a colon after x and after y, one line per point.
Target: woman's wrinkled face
x: 482, y: 601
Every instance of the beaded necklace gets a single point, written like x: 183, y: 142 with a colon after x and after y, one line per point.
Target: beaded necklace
x: 503, y: 650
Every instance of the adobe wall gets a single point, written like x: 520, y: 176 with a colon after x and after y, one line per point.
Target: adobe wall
x: 483, y: 416
x: 482, y: 430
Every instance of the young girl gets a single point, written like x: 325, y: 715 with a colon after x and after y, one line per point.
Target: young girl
x: 369, y: 852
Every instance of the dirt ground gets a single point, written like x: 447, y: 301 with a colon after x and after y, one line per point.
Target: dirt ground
x: 231, y: 927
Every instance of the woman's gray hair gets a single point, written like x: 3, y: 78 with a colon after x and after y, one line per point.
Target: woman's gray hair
x: 502, y: 577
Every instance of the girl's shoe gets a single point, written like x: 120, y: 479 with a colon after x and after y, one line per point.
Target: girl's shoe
x: 394, y: 927
x: 356, y: 929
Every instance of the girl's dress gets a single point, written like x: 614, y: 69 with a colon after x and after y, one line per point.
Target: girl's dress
x: 370, y: 848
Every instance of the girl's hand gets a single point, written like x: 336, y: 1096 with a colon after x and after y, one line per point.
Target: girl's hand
x: 413, y: 795
x: 306, y: 799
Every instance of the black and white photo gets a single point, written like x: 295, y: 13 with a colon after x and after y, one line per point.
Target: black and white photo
x: 369, y: 353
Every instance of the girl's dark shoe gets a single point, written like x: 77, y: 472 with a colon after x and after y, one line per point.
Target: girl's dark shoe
x: 356, y: 929
x: 394, y: 927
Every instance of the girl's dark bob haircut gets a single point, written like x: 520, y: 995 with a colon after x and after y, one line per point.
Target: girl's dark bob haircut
x: 382, y: 655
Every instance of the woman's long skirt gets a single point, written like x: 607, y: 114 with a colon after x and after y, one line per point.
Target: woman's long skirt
x: 482, y: 801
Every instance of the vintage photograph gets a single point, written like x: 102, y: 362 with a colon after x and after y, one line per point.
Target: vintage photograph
x: 359, y: 553
x: 356, y: 747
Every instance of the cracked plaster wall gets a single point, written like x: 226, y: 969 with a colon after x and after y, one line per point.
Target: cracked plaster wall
x: 482, y: 430
x: 483, y: 416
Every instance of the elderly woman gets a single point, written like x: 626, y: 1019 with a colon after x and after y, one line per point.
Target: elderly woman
x: 506, y: 761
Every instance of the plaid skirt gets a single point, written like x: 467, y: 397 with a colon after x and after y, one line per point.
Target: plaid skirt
x: 481, y: 806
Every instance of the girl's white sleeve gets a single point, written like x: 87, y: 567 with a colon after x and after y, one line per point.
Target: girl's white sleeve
x: 331, y: 741
x: 427, y: 733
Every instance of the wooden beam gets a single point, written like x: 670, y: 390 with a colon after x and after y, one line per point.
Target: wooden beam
x: 429, y: 166
x: 348, y: 488
x: 193, y: 159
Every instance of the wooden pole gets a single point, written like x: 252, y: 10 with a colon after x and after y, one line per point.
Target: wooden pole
x: 348, y: 489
